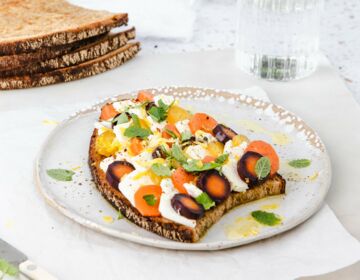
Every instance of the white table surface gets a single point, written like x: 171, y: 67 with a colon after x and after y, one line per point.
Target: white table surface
x: 320, y: 100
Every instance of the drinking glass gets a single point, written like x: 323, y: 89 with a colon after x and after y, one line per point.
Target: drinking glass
x: 278, y: 39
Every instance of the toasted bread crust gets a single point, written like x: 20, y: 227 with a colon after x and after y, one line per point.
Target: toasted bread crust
x: 12, y: 61
x: 92, y: 67
x: 78, y: 54
x: 22, y: 29
x: 165, y: 227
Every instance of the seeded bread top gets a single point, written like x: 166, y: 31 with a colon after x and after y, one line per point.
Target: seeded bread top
x: 27, y: 25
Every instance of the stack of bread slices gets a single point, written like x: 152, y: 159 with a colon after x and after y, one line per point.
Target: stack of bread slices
x: 46, y: 42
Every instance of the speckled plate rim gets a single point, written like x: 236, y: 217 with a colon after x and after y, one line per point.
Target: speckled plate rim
x: 164, y: 243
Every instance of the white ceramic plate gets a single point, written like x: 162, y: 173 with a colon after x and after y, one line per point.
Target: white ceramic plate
x: 67, y: 147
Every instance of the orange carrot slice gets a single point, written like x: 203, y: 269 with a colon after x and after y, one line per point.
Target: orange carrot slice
x: 208, y: 159
x: 135, y: 146
x: 107, y: 112
x: 266, y: 150
x: 202, y: 121
x: 179, y: 177
x: 144, y: 96
x: 172, y: 128
x: 146, y: 194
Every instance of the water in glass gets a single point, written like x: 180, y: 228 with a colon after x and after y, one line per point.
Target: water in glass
x: 278, y: 39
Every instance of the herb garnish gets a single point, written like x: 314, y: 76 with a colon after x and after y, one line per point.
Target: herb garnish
x: 161, y: 170
x: 266, y: 218
x: 171, y: 133
x: 205, y: 200
x: 150, y: 199
x: 119, y: 119
x: 262, y: 167
x: 186, y: 136
x: 221, y: 159
x: 7, y: 269
x: 198, y: 166
x: 136, y: 130
x: 60, y: 174
x: 178, y: 154
x: 159, y: 113
x: 300, y: 163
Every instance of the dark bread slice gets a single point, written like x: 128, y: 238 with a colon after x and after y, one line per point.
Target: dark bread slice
x: 165, y: 227
x: 8, y: 62
x: 92, y: 67
x: 27, y: 25
x: 78, y: 55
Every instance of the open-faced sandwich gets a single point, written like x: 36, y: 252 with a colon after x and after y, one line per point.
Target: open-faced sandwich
x: 175, y: 172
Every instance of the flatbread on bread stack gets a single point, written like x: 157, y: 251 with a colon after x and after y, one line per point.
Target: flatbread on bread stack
x: 45, y: 42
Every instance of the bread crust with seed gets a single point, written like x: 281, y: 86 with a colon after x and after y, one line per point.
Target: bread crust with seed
x: 28, y: 25
x: 78, y: 55
x: 92, y: 67
x: 165, y: 227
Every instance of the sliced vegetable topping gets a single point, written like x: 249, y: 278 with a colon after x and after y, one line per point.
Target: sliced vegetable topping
x: 117, y: 170
x: 106, y: 144
x: 144, y: 96
x: 187, y: 206
x: 176, y: 114
x: 136, y: 146
x: 246, y: 168
x: 107, y: 112
x: 223, y: 133
x: 208, y: 159
x: 215, y: 185
x: 147, y: 199
x: 159, y: 152
x: 170, y: 131
x: 202, y: 121
x: 179, y: 177
x: 265, y: 150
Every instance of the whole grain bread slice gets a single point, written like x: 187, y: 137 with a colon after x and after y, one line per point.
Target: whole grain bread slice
x: 165, y: 227
x: 12, y: 61
x: 79, y: 55
x: 27, y: 25
x: 92, y: 67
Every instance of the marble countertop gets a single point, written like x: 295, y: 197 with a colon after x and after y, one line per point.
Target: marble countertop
x: 215, y: 29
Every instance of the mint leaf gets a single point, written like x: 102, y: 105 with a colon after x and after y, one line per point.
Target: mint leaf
x: 205, y: 201
x: 221, y: 159
x: 122, y: 118
x: 178, y: 154
x: 171, y: 133
x: 157, y: 113
x: 60, y: 174
x: 163, y: 105
x: 262, y: 167
x: 186, y: 136
x: 150, y: 199
x: 136, y: 120
x: 161, y: 170
x: 8, y: 268
x: 266, y: 218
x: 198, y: 166
x: 300, y: 163
x: 134, y: 131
